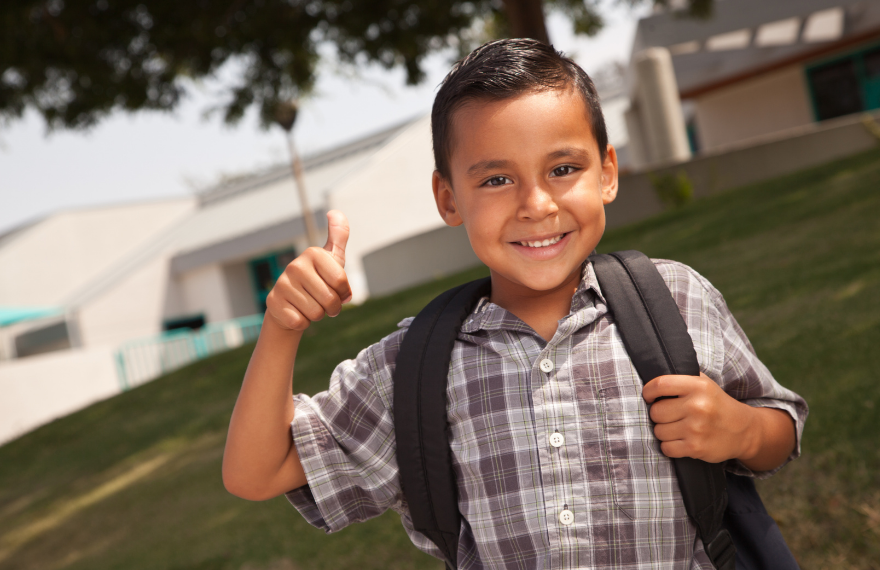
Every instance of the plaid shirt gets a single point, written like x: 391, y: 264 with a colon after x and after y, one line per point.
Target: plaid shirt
x: 553, y: 450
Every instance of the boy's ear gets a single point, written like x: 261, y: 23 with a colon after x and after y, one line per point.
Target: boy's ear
x: 445, y: 200
x: 609, y: 176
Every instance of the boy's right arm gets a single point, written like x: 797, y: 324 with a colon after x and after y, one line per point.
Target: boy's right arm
x: 260, y: 460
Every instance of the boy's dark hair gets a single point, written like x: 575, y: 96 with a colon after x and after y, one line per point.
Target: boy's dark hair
x: 506, y: 68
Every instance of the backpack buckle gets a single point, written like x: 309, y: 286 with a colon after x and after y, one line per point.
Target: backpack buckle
x: 721, y: 551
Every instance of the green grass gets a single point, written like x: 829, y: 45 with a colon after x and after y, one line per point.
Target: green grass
x: 134, y: 482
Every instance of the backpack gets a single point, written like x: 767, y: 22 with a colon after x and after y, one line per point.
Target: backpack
x: 736, y: 530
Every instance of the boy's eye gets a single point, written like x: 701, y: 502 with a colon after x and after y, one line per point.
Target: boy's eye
x: 563, y: 170
x: 498, y: 181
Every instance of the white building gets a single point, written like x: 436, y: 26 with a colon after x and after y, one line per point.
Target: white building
x: 77, y: 284
x: 116, y: 273
x: 759, y: 68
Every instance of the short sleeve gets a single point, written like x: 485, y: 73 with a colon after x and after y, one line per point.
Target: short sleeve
x: 727, y: 356
x: 345, y: 440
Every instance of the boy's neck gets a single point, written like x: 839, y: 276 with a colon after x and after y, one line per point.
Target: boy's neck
x: 541, y: 310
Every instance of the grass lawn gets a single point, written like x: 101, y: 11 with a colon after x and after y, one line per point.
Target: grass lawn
x: 134, y: 482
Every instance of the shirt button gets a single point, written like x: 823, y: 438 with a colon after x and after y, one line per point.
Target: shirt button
x: 566, y: 517
x: 556, y: 439
x: 546, y: 365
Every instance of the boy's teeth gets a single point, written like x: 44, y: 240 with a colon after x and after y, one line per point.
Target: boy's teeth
x: 544, y: 243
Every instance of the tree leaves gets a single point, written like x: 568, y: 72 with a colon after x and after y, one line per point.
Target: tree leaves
x: 76, y: 61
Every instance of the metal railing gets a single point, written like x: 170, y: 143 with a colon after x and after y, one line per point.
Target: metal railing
x: 139, y: 361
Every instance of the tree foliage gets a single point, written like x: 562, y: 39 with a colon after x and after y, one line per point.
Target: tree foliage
x: 75, y: 61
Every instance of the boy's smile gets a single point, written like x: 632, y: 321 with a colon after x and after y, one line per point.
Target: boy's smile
x: 529, y: 185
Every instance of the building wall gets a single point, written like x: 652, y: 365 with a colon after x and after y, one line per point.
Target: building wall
x: 38, y: 389
x: 388, y: 200
x: 132, y: 307
x: 139, y: 304
x: 776, y: 155
x: 240, y: 288
x: 52, y: 260
x: 614, y: 112
x: 418, y: 259
x: 205, y: 291
x: 766, y: 104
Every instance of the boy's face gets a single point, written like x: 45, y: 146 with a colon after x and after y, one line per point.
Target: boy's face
x: 526, y: 172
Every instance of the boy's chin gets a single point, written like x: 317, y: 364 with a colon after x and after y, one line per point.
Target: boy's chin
x: 547, y: 282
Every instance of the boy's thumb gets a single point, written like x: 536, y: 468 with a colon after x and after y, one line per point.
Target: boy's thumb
x: 337, y: 235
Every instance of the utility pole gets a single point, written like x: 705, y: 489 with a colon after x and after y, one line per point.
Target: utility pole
x: 285, y: 116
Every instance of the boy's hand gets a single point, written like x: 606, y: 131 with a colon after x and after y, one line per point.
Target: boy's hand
x: 313, y: 284
x: 700, y: 420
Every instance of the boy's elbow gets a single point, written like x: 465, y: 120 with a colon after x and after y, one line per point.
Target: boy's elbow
x: 243, y: 480
x: 243, y: 490
x: 239, y: 485
x: 233, y: 484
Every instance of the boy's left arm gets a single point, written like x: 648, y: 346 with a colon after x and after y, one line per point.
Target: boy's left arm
x: 735, y: 410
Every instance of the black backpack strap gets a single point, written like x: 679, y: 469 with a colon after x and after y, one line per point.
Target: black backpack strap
x: 421, y: 426
x: 656, y: 339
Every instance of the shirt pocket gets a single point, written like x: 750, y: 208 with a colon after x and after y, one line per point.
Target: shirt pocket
x: 643, y: 480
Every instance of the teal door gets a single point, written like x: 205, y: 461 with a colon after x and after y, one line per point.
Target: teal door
x: 265, y: 271
x: 871, y: 71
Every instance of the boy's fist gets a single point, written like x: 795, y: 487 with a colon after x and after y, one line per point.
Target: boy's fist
x: 698, y: 419
x: 314, y: 284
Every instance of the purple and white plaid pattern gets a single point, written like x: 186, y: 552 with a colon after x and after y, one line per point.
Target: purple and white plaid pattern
x: 608, y: 473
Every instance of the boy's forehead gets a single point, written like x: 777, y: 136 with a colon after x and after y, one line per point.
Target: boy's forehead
x: 480, y: 118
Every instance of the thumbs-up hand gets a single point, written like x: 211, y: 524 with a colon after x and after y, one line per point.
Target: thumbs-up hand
x: 337, y: 235
x: 314, y: 284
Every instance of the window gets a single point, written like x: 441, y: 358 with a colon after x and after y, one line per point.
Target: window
x: 872, y: 64
x: 836, y: 90
x: 47, y: 339
x: 193, y: 322
x: 846, y: 85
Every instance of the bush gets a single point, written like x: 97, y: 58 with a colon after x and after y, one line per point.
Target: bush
x: 674, y: 190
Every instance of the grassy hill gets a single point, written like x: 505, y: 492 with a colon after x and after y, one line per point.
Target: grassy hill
x: 134, y: 482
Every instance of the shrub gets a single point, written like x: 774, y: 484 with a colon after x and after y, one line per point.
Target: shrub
x: 674, y: 190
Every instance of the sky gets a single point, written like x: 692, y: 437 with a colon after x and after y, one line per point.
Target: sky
x: 151, y: 155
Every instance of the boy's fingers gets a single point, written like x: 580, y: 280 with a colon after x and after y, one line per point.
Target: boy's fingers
x: 327, y: 266
x: 319, y: 290
x: 289, y: 318
x: 668, y: 386
x: 675, y: 448
x: 670, y: 432
x: 293, y: 293
x: 337, y: 235
x: 328, y: 269
x: 308, y: 306
x: 667, y: 411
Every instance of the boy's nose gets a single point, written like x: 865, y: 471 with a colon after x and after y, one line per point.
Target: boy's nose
x: 537, y: 202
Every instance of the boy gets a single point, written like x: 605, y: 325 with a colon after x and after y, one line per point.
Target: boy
x: 554, y: 458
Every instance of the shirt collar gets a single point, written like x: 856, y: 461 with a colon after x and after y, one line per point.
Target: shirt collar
x: 489, y: 316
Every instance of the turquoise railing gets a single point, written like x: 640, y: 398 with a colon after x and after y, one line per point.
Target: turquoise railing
x: 139, y: 361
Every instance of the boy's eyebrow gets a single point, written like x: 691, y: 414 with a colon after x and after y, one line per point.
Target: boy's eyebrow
x: 567, y: 152
x: 484, y: 165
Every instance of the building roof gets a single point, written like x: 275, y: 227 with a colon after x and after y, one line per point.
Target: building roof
x: 745, y: 37
x: 9, y: 234
x: 12, y: 315
x: 344, y: 153
x: 269, y: 198
x: 242, y: 217
x: 44, y: 262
